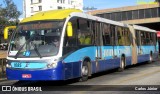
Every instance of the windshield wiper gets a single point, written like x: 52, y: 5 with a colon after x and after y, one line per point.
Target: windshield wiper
x: 36, y: 50
x: 23, y: 46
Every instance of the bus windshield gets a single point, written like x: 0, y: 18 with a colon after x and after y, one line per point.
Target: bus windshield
x: 38, y: 39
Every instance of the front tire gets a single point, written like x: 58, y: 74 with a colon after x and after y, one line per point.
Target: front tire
x: 84, y: 72
x: 122, y: 65
x: 151, y: 58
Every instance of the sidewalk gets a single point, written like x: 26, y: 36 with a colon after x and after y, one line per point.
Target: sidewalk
x: 3, y: 55
x: 2, y: 77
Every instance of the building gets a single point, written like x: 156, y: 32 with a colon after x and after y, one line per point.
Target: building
x: 30, y: 7
x: 146, y: 15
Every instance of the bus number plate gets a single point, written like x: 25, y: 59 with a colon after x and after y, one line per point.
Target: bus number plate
x: 17, y: 65
x: 26, y: 76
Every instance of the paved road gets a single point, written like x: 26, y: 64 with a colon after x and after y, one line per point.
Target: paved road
x: 146, y: 74
x: 142, y: 74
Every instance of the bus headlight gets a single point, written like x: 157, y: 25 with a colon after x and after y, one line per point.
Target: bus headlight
x: 52, y: 65
x: 8, y: 66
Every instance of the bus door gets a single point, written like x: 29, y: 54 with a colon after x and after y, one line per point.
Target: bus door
x: 115, y: 48
x: 155, y: 42
x: 114, y: 41
x: 134, y: 38
x: 98, y: 43
x: 139, y: 42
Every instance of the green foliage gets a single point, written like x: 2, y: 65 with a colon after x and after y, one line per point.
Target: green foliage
x: 8, y: 15
x: 157, y: 0
x: 10, y: 11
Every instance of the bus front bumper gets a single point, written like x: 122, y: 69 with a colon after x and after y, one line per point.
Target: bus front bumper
x: 46, y: 74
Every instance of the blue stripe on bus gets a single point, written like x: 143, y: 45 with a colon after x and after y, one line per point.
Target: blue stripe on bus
x: 72, y: 70
x: 155, y: 55
x: 128, y: 60
x: 107, y: 53
x: 80, y: 54
x: 29, y: 65
x: 146, y: 49
x: 143, y: 58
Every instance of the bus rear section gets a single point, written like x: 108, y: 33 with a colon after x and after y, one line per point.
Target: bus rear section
x: 147, y: 44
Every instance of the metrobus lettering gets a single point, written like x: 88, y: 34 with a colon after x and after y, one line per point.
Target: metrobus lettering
x: 108, y: 52
x: 37, y: 26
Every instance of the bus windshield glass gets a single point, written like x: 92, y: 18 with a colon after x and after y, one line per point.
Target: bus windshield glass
x: 38, y: 39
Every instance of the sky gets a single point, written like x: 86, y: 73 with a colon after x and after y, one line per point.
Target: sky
x: 99, y: 4
x: 104, y: 4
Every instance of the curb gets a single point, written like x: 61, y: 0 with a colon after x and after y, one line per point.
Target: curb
x: 3, y: 77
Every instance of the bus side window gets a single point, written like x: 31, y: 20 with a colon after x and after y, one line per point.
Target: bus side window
x: 120, y: 36
x: 137, y: 38
x: 127, y: 37
x: 142, y: 37
x: 81, y: 37
x: 84, y: 32
x: 71, y: 41
x: 113, y: 35
x: 106, y: 34
x: 151, y: 39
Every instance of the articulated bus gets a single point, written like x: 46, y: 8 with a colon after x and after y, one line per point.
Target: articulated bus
x: 67, y: 44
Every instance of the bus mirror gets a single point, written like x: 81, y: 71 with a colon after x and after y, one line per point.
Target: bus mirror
x: 69, y: 29
x: 6, y: 33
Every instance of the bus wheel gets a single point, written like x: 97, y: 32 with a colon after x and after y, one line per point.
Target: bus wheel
x: 84, y: 72
x: 151, y: 58
x: 122, y: 65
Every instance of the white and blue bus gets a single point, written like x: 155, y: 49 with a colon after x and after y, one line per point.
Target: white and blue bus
x: 67, y: 44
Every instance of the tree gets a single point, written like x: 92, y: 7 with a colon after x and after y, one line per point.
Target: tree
x: 10, y: 11
x: 8, y: 15
x: 157, y: 0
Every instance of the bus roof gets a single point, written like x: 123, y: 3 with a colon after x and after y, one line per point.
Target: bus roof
x: 50, y: 15
x: 96, y: 18
x: 137, y: 27
x: 64, y: 13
